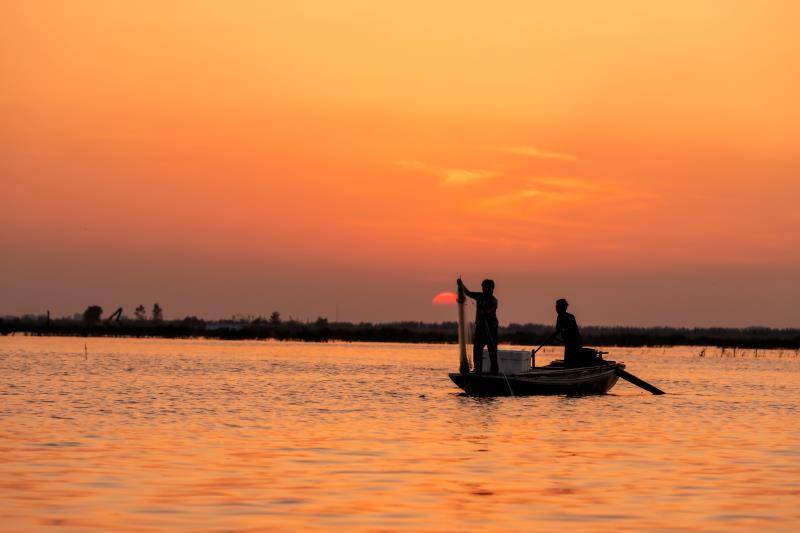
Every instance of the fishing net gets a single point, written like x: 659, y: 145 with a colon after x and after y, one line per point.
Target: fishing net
x: 470, y: 308
x: 466, y: 308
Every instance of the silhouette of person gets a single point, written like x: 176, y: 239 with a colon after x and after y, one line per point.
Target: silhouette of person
x: 567, y: 328
x: 486, y: 324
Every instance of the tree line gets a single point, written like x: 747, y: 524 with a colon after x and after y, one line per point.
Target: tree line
x: 273, y: 326
x: 94, y: 314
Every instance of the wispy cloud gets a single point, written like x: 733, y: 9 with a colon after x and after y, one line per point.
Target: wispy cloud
x: 456, y: 175
x: 549, y: 190
x: 536, y: 153
x: 452, y: 176
x: 519, y: 197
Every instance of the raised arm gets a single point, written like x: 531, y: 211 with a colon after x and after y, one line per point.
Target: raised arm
x: 467, y: 292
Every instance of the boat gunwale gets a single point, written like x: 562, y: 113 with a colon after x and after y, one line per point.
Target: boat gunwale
x: 553, y: 380
x: 568, y: 373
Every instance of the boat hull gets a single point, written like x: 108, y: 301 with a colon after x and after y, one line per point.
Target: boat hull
x: 542, y: 381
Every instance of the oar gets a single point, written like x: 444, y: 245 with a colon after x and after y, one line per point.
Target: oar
x: 638, y: 382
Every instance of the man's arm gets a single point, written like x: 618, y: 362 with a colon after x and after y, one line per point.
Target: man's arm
x: 555, y: 334
x: 473, y: 295
x: 545, y: 342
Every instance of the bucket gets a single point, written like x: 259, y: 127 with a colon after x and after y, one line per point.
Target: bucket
x: 509, y: 361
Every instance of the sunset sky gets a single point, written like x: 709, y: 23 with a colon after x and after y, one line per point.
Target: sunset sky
x: 641, y: 159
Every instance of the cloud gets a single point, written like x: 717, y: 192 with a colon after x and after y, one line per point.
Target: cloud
x: 455, y: 175
x: 536, y: 153
x: 518, y: 197
x: 452, y: 176
x: 550, y: 191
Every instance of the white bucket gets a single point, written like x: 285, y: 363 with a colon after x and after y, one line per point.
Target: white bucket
x: 509, y: 361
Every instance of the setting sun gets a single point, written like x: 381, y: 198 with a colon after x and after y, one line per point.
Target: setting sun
x: 445, y: 298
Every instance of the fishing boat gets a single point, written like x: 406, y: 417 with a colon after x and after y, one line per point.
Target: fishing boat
x: 551, y: 379
x: 527, y: 380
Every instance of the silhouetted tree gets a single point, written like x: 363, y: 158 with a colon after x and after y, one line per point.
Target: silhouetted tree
x: 92, y: 314
x: 194, y: 323
x: 158, y: 313
x: 275, y: 318
x: 321, y: 322
x: 140, y: 313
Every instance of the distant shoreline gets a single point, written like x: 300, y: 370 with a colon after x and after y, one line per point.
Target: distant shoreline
x: 408, y: 332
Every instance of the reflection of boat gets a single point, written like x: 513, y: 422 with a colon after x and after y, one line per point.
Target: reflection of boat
x: 553, y: 379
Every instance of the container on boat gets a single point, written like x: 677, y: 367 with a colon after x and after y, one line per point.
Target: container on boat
x: 509, y: 361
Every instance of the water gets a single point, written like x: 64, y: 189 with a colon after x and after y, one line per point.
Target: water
x: 152, y: 434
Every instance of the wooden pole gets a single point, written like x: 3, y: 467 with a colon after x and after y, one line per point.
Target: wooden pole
x: 463, y: 366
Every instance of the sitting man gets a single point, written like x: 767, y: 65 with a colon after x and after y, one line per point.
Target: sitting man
x: 575, y: 355
x: 486, y: 324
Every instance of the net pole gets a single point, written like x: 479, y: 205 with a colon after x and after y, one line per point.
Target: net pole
x: 463, y: 365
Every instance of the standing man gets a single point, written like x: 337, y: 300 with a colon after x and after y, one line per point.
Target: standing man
x: 486, y: 324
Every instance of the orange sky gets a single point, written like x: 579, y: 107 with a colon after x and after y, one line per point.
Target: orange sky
x: 639, y: 159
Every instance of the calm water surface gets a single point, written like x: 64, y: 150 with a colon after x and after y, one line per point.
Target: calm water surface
x: 153, y: 434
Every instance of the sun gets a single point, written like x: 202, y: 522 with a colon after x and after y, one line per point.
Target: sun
x: 445, y: 298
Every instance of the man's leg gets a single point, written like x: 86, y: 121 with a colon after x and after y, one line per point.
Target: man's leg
x: 477, y: 353
x: 569, y: 357
x: 493, y: 358
x: 576, y: 356
x: 589, y: 357
x: 492, y: 344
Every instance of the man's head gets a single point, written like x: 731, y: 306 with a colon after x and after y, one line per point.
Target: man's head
x: 488, y: 286
x: 561, y: 305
